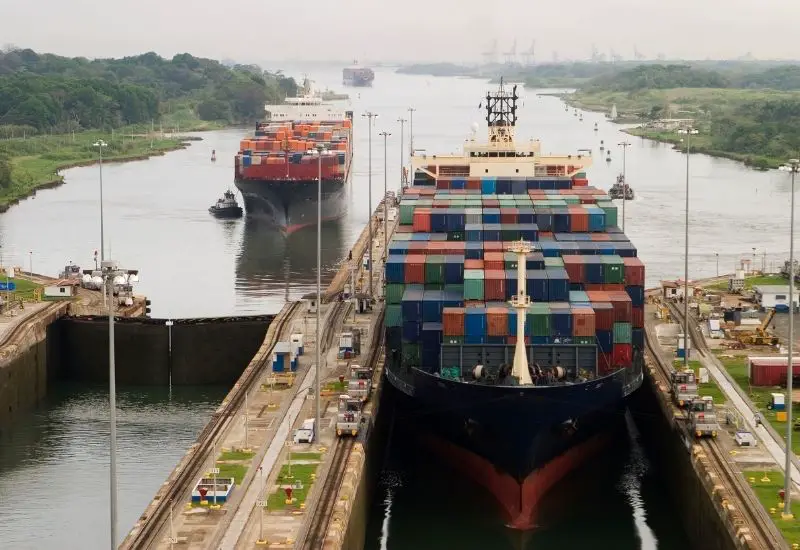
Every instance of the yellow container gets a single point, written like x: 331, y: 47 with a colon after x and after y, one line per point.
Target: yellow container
x: 781, y: 416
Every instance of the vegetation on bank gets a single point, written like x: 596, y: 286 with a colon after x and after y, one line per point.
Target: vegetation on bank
x: 751, y: 281
x: 766, y: 485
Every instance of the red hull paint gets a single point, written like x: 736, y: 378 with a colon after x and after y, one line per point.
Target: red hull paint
x: 298, y: 226
x: 520, y: 501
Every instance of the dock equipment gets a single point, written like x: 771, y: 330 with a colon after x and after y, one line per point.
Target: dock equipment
x: 348, y: 418
x: 283, y: 357
x: 702, y: 418
x: 359, y: 384
x: 684, y: 387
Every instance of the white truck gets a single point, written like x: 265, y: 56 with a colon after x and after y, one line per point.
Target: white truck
x: 348, y: 417
x: 702, y: 418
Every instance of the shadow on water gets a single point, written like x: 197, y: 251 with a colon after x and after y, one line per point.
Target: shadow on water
x: 615, y: 501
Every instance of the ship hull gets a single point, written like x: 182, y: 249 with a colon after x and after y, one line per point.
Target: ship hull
x: 290, y: 206
x: 226, y: 213
x: 516, y: 442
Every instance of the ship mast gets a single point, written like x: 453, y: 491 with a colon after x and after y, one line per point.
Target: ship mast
x: 520, y: 301
x: 501, y: 114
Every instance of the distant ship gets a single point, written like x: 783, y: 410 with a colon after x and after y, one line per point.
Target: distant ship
x: 357, y: 76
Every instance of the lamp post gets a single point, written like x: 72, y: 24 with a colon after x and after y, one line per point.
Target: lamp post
x: 624, y: 146
x: 411, y: 132
x: 100, y: 144
x: 321, y: 151
x: 30, y: 263
x: 793, y: 166
x: 385, y: 191
x: 402, y: 122
x: 370, y: 115
x: 717, y: 255
x: 689, y: 131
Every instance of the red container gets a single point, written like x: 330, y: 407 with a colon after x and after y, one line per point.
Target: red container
x: 422, y: 220
x: 578, y: 219
x: 592, y: 287
x: 622, y: 306
x: 494, y: 285
x: 473, y: 264
x: 442, y: 184
x: 604, y: 366
x: 491, y: 203
x: 492, y: 246
x: 600, y: 236
x: 414, y: 269
x: 771, y: 371
x: 576, y: 268
x: 474, y: 183
x: 496, y: 321
x: 597, y: 295
x: 494, y: 260
x: 509, y: 215
x: 403, y: 229
x: 578, y: 182
x: 613, y: 287
x: 586, y: 199
x: 634, y: 271
x: 622, y: 355
x: 512, y: 340
x: 637, y: 317
x: 583, y: 321
x: 453, y: 321
x: 603, y: 315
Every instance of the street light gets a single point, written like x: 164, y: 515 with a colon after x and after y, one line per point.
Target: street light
x: 624, y: 146
x: 689, y: 132
x: 321, y: 151
x: 385, y: 192
x: 717, y: 255
x: 111, y: 271
x: 402, y: 122
x: 100, y: 144
x: 30, y: 263
x: 370, y: 115
x: 411, y: 132
x: 793, y: 166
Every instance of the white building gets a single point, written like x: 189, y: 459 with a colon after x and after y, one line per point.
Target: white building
x: 674, y: 289
x: 61, y: 289
x: 777, y: 296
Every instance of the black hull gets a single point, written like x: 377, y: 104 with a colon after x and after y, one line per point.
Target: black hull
x: 290, y: 206
x: 226, y: 213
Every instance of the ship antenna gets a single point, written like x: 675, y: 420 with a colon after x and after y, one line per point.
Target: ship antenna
x: 501, y: 114
x: 520, y: 301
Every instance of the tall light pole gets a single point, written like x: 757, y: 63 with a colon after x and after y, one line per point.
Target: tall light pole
x: 370, y: 115
x: 689, y: 131
x: 30, y: 263
x: 320, y: 153
x: 624, y: 146
x: 402, y: 122
x: 385, y: 191
x: 717, y: 255
x: 411, y: 132
x: 793, y: 166
x: 100, y: 144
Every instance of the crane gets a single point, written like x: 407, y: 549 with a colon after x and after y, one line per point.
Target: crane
x: 528, y: 55
x: 490, y: 56
x: 511, y: 55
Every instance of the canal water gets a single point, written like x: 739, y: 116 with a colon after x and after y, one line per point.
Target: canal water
x: 54, y: 469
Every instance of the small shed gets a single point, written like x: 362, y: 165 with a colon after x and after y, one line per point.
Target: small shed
x: 64, y: 288
x: 674, y: 289
x: 774, y: 296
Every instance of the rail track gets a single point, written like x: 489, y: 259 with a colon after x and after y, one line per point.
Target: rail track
x: 18, y: 331
x: 150, y: 529
x: 755, y: 527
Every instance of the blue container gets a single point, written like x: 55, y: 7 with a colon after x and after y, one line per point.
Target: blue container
x: 247, y: 160
x: 278, y: 363
x: 394, y: 338
x: 547, y: 184
x: 605, y: 340
x: 458, y: 183
x: 395, y: 269
x: 557, y: 284
x: 519, y: 187
x: 503, y: 186
x: 425, y: 237
x: 597, y: 219
x: 431, y: 336
x: 569, y: 248
x: 626, y: 250
x: 637, y: 295
x: 496, y: 340
x: 492, y: 232
x: 451, y: 298
x: 453, y: 269
x: 511, y: 283
x: 561, y: 323
x: 541, y: 340
x: 488, y: 186
x: 470, y: 339
x: 593, y: 270
x: 512, y: 321
x: 398, y: 248
x: 473, y: 233
x: 475, y: 321
x: 637, y: 338
x: 412, y: 303
x: 561, y: 220
x: 562, y: 184
x: 411, y: 331
x: 293, y: 365
x: 529, y: 232
x: 439, y: 220
x: 432, y: 306
x: 550, y: 249
x: 537, y: 285
x: 491, y: 215
x: 527, y: 215
x: 473, y: 250
x: 544, y: 218
x: 535, y: 260
x: 456, y: 219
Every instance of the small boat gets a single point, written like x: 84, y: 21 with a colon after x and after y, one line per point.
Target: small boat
x: 595, y: 126
x: 226, y: 206
x: 602, y: 146
x: 213, y: 155
x: 608, y: 158
x: 621, y: 190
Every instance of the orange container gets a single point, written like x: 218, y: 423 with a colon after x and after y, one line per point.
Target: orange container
x: 583, y: 321
x: 496, y: 321
x: 494, y: 260
x: 453, y: 321
x: 473, y: 264
x: 578, y: 219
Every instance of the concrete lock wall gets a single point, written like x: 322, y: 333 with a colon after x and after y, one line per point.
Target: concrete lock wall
x: 23, y: 382
x: 204, y: 351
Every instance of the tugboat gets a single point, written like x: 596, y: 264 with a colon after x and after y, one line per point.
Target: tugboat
x: 621, y: 190
x: 213, y: 155
x: 226, y: 206
x: 595, y: 126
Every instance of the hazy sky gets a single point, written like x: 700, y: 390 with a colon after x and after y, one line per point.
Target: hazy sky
x: 407, y: 30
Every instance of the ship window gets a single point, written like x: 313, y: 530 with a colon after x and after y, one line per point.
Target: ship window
x: 486, y: 170
x: 517, y: 170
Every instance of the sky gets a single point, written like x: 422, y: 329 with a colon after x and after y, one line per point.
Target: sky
x: 409, y: 30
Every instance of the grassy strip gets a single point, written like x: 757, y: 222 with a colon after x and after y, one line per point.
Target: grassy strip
x: 236, y: 455
x: 709, y: 388
x: 750, y: 282
x: 299, y: 472
x: 766, y: 486
x: 307, y: 456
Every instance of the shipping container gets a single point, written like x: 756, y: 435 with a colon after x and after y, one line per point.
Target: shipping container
x: 475, y: 322
x: 637, y: 295
x: 605, y: 340
x: 770, y: 371
x: 622, y: 355
x: 497, y: 321
x: 395, y: 269
x: 622, y: 306
x: 494, y: 285
x: 637, y: 317
x: 414, y: 272
x: 474, y: 284
x: 603, y: 315
x: 394, y: 293
x: 394, y: 315
x: 453, y: 321
x: 583, y: 321
x: 634, y: 272
x: 622, y: 333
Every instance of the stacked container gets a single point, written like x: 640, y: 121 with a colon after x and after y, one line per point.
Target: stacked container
x: 449, y: 274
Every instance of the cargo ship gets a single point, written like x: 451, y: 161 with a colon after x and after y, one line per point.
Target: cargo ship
x: 514, y: 313
x: 357, y: 76
x: 277, y: 169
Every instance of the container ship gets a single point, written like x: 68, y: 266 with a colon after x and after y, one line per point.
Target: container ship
x: 357, y: 76
x: 277, y: 169
x: 514, y: 313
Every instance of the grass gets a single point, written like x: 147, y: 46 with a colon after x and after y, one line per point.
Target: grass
x: 25, y: 289
x: 767, y: 493
x: 336, y: 386
x: 236, y: 471
x: 755, y: 280
x: 307, y: 456
x: 300, y: 472
x: 236, y: 455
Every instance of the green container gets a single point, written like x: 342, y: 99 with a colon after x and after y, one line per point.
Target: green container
x: 394, y: 292
x: 622, y: 333
x: 473, y: 203
x: 510, y: 260
x: 553, y: 262
x: 583, y: 340
x: 458, y: 289
x: 407, y: 212
x: 473, y: 284
x: 434, y: 269
x: 611, y: 212
x: 571, y: 199
x: 452, y: 339
x: 410, y: 355
x: 509, y: 233
x: 538, y: 319
x: 578, y: 296
x: 433, y: 286
x: 613, y: 269
x: 394, y: 315
x: 582, y: 176
x: 455, y: 235
x: 402, y: 236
